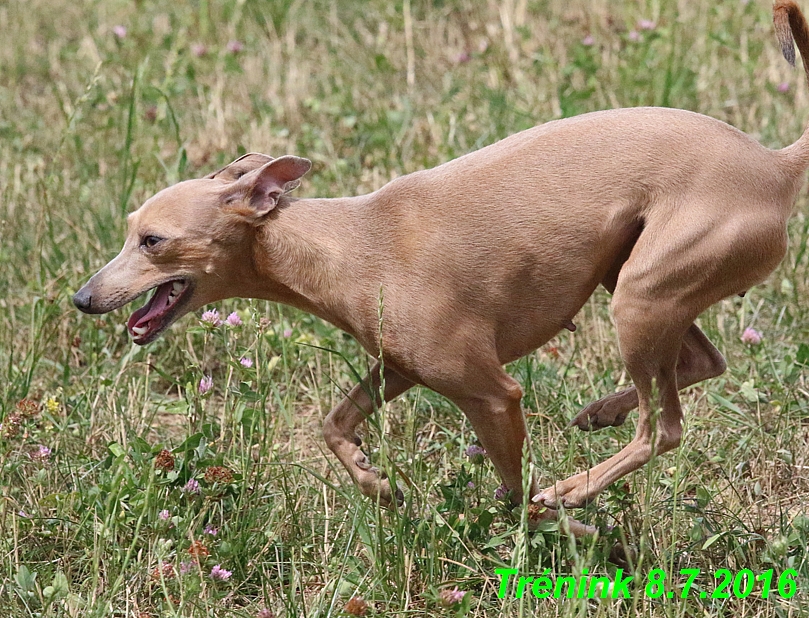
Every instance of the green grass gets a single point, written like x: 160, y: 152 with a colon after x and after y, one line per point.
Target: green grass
x: 91, y: 124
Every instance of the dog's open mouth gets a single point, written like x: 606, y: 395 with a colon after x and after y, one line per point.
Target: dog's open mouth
x: 150, y: 320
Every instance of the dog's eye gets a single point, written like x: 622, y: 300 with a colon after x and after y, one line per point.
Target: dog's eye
x: 149, y: 241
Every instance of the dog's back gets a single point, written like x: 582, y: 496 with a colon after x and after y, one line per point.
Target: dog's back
x: 485, y: 232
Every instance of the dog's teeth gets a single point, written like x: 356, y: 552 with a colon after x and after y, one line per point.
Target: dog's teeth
x: 177, y: 286
x: 139, y: 330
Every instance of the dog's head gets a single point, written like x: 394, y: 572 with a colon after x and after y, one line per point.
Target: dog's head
x: 191, y: 243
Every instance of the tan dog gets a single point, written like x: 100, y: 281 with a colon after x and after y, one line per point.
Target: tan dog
x: 485, y: 258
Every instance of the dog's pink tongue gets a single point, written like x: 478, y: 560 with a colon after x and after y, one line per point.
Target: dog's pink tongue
x: 157, y: 304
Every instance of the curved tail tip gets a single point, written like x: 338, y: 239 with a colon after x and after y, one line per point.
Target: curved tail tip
x: 788, y: 50
x: 791, y: 29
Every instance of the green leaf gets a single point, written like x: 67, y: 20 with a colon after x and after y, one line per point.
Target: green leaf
x: 712, y: 540
x: 802, y: 357
x: 247, y: 393
x: 749, y: 392
x: 718, y: 399
x: 25, y: 580
x: 190, y: 443
x: 201, y: 450
x: 703, y: 497
x: 179, y: 406
x: 60, y: 585
x: 485, y: 519
x: 494, y: 542
x: 116, y: 449
x: 139, y: 445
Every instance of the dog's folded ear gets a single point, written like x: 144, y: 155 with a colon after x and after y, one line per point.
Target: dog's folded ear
x: 256, y: 193
x: 241, y: 166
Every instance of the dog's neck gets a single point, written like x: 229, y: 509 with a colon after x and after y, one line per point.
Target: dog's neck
x: 306, y: 255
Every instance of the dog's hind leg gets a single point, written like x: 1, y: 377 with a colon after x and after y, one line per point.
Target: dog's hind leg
x: 660, y: 291
x: 650, y: 334
x: 698, y: 360
x: 339, y: 430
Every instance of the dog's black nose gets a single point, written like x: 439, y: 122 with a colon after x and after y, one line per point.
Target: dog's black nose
x: 83, y: 300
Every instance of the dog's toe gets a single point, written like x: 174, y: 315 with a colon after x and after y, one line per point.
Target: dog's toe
x: 387, y: 496
x: 362, y: 461
x: 568, y: 494
x: 546, y: 498
x: 373, y: 483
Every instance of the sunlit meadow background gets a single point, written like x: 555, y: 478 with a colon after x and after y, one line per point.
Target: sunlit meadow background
x: 124, y: 486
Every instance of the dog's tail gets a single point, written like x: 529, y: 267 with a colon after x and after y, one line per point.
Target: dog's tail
x: 792, y: 29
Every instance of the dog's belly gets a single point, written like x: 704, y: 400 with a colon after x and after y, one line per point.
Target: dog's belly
x: 541, y: 314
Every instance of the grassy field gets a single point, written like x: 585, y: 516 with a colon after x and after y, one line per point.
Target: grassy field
x: 125, y: 491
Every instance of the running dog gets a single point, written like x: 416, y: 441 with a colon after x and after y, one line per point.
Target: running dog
x: 485, y: 258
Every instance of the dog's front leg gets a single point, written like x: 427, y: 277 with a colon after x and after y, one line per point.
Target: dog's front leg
x: 494, y: 408
x: 495, y: 412
x: 339, y: 430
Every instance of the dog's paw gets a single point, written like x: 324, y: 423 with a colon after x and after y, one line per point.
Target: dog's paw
x: 387, y: 496
x: 610, y: 411
x: 373, y: 484
x: 571, y: 493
